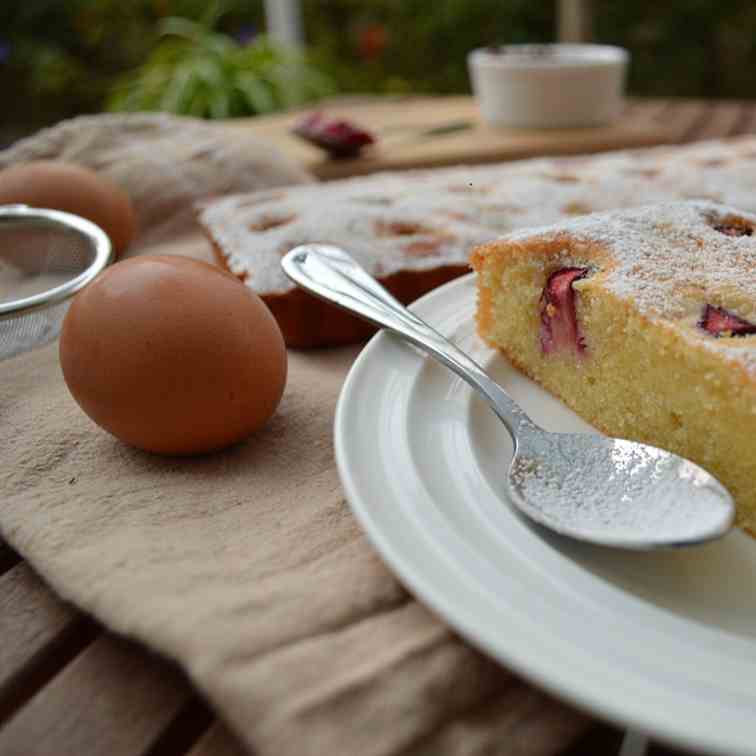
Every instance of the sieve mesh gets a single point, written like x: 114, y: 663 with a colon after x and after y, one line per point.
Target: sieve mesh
x: 44, y: 257
x: 23, y: 333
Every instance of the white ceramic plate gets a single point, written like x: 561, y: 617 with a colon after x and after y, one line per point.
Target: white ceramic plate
x: 662, y: 641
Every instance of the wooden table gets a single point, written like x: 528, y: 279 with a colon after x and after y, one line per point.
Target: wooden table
x: 67, y: 686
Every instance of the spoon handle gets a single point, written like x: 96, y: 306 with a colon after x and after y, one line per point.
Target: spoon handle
x: 330, y: 273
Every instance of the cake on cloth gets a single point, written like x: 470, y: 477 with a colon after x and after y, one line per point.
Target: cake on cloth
x: 643, y: 321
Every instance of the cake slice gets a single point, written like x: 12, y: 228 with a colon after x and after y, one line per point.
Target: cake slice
x: 643, y: 321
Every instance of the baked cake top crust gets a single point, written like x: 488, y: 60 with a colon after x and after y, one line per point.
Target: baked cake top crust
x: 384, y: 234
x: 674, y: 261
x: 428, y: 219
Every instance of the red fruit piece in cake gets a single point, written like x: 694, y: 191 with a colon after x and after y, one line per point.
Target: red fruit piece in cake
x: 720, y: 322
x: 733, y: 229
x: 560, y: 330
x: 341, y: 139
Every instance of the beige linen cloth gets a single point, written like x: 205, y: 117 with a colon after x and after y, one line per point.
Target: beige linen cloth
x: 164, y: 162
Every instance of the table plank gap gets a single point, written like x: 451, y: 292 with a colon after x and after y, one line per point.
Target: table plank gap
x: 219, y: 741
x: 112, y: 700
x: 600, y: 740
x: 656, y: 749
x: 8, y: 558
x: 31, y: 618
x: 185, y: 731
x: 40, y: 668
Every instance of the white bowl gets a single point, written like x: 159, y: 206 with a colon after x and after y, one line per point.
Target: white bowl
x: 549, y: 86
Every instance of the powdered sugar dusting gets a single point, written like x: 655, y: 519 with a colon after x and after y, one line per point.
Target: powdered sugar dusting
x: 468, y: 205
x: 383, y: 238
x: 670, y: 261
x: 615, y: 491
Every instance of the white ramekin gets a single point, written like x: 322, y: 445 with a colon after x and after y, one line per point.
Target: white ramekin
x: 549, y: 86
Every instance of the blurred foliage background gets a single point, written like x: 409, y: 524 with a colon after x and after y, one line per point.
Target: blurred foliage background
x: 59, y: 58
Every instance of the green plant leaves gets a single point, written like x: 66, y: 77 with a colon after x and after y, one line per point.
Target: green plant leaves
x: 257, y: 93
x: 197, y: 71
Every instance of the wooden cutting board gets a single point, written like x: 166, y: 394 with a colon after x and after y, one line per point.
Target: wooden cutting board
x: 414, y: 132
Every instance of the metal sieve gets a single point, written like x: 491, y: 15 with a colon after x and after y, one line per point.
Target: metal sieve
x: 46, y: 256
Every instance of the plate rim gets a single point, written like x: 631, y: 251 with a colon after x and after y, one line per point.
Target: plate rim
x: 598, y: 704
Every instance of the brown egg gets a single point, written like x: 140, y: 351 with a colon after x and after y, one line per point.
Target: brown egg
x: 74, y: 189
x: 173, y: 355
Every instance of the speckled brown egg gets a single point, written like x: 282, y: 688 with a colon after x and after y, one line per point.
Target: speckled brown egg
x: 74, y: 189
x: 173, y: 355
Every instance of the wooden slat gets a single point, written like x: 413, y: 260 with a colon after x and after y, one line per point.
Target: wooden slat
x: 112, y: 700
x: 745, y: 119
x: 749, y: 125
x: 601, y: 740
x: 721, y: 121
x: 31, y: 617
x: 39, y: 635
x: 647, y: 111
x: 683, y: 117
x: 219, y: 741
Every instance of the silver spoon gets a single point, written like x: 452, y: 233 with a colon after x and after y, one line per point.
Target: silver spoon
x: 602, y: 490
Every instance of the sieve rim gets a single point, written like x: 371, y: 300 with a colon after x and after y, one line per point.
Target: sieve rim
x: 92, y: 233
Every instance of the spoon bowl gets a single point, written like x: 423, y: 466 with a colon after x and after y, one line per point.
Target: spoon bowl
x: 617, y: 493
x: 593, y: 488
